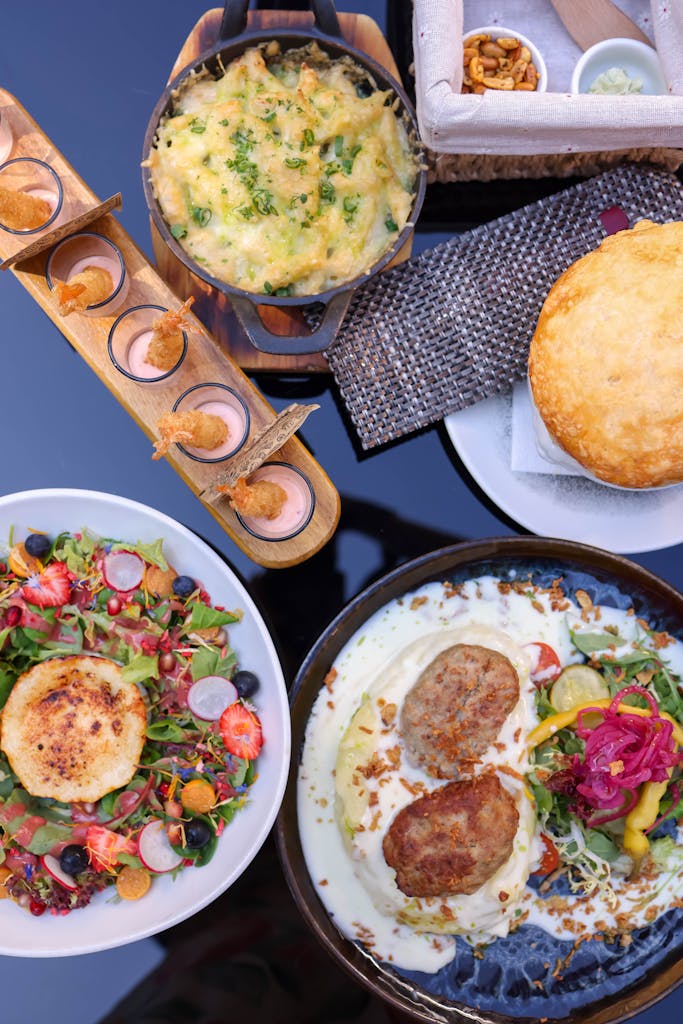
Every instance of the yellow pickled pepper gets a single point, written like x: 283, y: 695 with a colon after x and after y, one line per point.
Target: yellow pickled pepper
x: 646, y: 809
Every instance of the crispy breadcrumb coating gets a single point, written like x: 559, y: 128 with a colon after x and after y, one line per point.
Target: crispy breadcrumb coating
x: 92, y: 285
x: 21, y: 211
x: 196, y: 428
x: 166, y: 344
x: 263, y: 499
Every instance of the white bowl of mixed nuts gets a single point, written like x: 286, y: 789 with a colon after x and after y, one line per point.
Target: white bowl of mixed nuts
x: 495, y: 57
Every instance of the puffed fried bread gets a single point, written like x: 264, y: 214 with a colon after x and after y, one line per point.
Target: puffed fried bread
x: 72, y: 729
x: 606, y: 359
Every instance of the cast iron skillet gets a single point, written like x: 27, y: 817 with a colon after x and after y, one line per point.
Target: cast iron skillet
x: 602, y: 985
x: 234, y: 39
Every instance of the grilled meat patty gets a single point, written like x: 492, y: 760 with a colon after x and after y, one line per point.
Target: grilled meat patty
x: 451, y: 841
x: 456, y: 708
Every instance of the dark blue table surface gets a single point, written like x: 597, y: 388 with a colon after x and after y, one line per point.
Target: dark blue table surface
x: 90, y: 75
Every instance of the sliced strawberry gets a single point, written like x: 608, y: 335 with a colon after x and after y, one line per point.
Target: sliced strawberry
x: 104, y: 847
x: 50, y: 588
x: 241, y: 732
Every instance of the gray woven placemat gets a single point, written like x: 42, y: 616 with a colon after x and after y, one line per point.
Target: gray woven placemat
x: 453, y: 325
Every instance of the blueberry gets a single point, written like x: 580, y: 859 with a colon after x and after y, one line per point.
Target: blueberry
x: 246, y: 682
x: 73, y: 859
x: 197, y: 834
x: 363, y: 89
x: 37, y: 545
x: 183, y: 586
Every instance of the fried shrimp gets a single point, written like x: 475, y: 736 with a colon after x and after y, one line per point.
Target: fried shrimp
x: 166, y: 344
x: 196, y: 428
x: 21, y: 211
x: 92, y: 285
x: 262, y: 500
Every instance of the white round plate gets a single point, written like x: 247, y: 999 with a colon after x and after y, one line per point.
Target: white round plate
x: 106, y: 923
x: 570, y: 507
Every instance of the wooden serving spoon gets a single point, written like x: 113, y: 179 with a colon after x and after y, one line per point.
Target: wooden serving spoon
x: 590, y: 21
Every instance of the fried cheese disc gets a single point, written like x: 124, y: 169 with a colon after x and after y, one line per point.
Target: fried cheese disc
x: 72, y: 729
x: 606, y: 359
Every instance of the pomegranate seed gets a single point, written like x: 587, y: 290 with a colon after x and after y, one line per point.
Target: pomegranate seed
x: 13, y: 615
x: 37, y: 907
x: 167, y: 662
x: 114, y: 605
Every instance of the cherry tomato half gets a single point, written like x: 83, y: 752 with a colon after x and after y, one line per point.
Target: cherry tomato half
x: 550, y: 858
x: 545, y: 664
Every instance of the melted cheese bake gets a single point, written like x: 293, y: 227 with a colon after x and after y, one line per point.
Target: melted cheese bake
x: 289, y: 175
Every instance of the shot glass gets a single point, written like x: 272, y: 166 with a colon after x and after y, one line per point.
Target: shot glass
x: 33, y: 178
x: 86, y: 249
x: 222, y: 401
x: 297, y: 510
x: 128, y: 345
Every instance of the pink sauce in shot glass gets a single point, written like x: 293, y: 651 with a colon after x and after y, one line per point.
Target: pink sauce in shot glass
x: 75, y: 254
x: 128, y: 345
x: 297, y: 510
x: 36, y: 178
x: 218, y: 400
x: 136, y: 358
x: 233, y: 417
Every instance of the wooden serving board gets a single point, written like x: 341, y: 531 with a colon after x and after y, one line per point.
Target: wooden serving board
x: 205, y: 360
x: 211, y: 306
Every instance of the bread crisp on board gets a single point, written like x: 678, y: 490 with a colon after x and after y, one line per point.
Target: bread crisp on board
x: 606, y: 359
x: 72, y: 729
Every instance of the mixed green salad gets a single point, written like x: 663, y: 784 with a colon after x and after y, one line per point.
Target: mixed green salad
x: 607, y: 759
x: 82, y: 595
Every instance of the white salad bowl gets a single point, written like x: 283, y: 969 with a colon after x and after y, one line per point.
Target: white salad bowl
x: 108, y: 922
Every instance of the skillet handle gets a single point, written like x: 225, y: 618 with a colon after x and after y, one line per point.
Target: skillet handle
x: 326, y: 19
x: 280, y: 345
x: 234, y: 20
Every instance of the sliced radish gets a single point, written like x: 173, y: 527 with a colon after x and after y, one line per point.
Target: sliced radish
x: 51, y: 865
x: 210, y: 696
x: 154, y: 849
x: 123, y: 570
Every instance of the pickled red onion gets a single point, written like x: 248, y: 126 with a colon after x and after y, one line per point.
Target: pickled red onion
x: 622, y: 752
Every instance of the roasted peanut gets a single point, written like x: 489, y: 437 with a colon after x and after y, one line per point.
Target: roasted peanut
x: 518, y: 70
x: 499, y: 83
x: 477, y: 40
x: 492, y: 50
x: 502, y: 63
x: 476, y: 69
